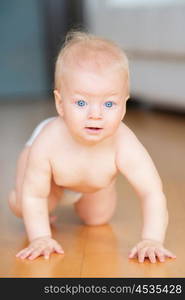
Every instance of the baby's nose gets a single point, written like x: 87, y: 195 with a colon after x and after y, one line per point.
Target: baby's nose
x: 95, y: 111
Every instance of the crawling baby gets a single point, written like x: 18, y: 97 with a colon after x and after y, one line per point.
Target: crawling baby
x: 77, y: 155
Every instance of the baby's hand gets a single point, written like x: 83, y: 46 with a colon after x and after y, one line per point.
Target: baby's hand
x: 152, y: 250
x: 40, y: 246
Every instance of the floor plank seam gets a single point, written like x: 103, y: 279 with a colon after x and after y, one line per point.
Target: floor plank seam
x: 83, y: 252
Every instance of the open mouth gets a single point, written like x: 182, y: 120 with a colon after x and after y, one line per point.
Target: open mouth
x: 93, y: 129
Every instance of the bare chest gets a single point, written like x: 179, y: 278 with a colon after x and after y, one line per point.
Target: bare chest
x: 84, y: 173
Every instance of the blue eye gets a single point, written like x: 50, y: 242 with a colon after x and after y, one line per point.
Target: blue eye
x: 109, y: 104
x: 81, y: 103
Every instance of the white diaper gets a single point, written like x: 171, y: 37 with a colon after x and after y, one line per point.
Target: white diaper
x: 69, y: 196
x: 37, y: 130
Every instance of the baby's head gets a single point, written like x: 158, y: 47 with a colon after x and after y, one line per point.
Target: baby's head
x: 91, y: 86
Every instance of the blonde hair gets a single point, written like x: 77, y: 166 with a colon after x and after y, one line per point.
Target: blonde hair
x: 82, y: 47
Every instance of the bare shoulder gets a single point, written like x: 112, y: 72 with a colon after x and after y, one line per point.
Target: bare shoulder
x: 126, y: 138
x: 39, y: 170
x: 129, y: 148
x: 43, y: 144
x: 134, y: 161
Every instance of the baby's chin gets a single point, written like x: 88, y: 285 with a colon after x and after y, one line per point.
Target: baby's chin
x: 94, y: 139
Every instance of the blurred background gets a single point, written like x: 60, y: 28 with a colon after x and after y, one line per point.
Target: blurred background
x: 150, y: 31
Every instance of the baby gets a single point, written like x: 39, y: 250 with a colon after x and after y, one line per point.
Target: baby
x: 77, y: 155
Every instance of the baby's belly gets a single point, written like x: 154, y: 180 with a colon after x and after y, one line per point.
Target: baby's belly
x: 84, y: 185
x: 84, y: 188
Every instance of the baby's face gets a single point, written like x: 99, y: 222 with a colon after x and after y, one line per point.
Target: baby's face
x: 93, y: 104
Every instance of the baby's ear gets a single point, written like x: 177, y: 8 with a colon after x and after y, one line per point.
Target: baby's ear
x: 58, y: 102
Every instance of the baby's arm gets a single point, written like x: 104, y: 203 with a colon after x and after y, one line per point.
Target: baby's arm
x: 135, y: 164
x: 35, y: 192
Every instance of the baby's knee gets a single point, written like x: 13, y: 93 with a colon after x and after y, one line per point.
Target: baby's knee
x: 12, y: 201
x: 94, y: 215
x: 96, y: 220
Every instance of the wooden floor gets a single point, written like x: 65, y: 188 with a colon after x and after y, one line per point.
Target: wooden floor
x: 96, y: 251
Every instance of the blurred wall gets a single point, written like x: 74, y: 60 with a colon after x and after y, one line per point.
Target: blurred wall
x: 31, y: 33
x: 22, y: 54
x: 152, y: 34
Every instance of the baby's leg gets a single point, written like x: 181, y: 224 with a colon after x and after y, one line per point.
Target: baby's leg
x: 97, y: 208
x: 15, y: 194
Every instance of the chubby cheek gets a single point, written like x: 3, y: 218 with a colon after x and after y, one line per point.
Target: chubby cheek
x: 114, y: 120
x: 73, y: 119
x: 112, y: 126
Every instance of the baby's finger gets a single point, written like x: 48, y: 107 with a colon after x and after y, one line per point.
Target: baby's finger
x: 24, y: 253
x: 151, y: 255
x: 36, y: 253
x: 142, y: 255
x: 46, y: 254
x: 169, y: 253
x: 160, y: 255
x: 58, y: 249
x: 133, y: 252
x: 21, y: 252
